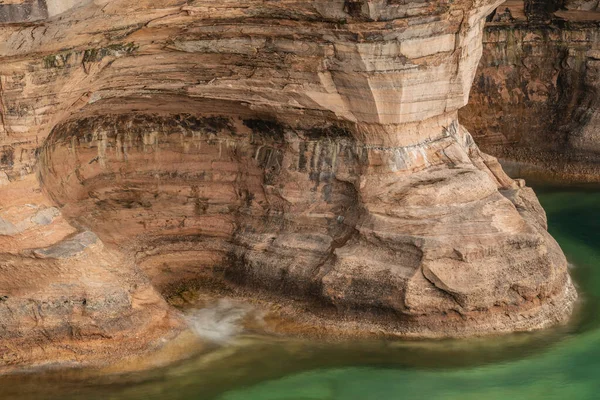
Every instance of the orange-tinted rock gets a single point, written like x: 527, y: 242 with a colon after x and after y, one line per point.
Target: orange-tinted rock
x: 305, y: 149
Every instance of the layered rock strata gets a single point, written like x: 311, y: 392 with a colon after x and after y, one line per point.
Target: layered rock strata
x: 310, y: 150
x: 535, y: 100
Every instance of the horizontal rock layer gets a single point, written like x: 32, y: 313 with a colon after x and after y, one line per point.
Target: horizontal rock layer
x: 535, y: 98
x: 306, y: 149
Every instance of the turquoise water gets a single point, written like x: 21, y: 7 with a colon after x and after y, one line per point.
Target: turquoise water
x: 557, y: 364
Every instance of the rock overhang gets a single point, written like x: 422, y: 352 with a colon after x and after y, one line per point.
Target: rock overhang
x: 308, y: 149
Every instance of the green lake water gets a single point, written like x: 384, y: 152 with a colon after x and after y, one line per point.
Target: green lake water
x: 556, y: 364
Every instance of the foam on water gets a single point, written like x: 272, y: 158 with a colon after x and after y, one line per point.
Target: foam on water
x: 219, y: 322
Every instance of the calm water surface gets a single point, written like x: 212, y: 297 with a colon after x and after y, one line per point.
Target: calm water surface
x: 557, y: 364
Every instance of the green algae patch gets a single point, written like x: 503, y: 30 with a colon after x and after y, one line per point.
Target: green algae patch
x: 62, y: 60
x: 116, y: 50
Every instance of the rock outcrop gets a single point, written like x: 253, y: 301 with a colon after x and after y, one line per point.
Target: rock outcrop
x: 306, y: 149
x: 536, y: 98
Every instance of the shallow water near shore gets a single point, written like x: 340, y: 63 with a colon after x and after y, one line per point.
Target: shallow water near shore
x: 562, y: 363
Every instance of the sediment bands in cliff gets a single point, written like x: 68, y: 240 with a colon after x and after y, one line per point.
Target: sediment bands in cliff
x: 307, y: 150
x: 421, y: 233
x: 535, y: 100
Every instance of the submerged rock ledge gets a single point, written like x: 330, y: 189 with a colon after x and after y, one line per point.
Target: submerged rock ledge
x: 309, y: 150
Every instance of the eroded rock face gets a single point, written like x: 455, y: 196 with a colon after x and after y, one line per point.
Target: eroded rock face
x: 535, y: 97
x: 310, y: 150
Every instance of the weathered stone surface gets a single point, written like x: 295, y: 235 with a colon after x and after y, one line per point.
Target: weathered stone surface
x: 306, y: 149
x: 535, y: 97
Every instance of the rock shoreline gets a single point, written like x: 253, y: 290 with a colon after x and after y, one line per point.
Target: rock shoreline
x: 304, y: 149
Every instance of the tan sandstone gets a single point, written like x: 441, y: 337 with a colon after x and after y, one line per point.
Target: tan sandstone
x: 310, y: 150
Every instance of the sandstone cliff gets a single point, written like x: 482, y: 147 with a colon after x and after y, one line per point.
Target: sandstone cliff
x: 309, y: 150
x: 536, y: 97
